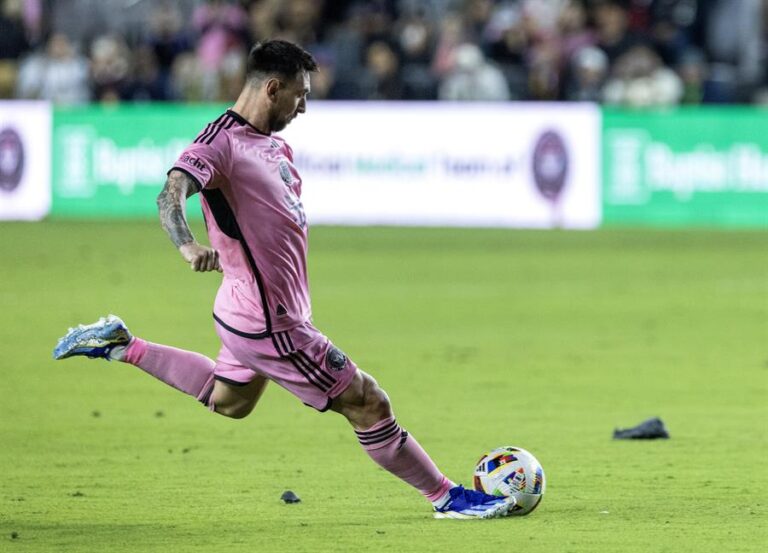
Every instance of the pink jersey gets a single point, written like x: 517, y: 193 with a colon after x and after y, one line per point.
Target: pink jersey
x: 250, y: 197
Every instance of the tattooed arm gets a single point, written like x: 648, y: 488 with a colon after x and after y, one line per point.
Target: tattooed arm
x: 171, y: 204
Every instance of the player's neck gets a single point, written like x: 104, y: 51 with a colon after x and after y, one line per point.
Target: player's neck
x: 248, y: 106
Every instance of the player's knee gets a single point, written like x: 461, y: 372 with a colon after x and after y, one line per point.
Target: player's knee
x: 375, y: 400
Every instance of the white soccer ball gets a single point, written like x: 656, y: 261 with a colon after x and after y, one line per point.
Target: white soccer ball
x: 511, y: 471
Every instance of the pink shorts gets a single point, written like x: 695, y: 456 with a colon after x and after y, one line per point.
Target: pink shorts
x: 301, y: 360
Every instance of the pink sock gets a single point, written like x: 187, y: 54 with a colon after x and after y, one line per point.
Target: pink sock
x: 190, y: 372
x: 399, y: 453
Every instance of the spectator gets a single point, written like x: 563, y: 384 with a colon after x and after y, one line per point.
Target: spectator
x: 473, y: 78
x: 416, y: 41
x: 110, y: 66
x: 507, y: 45
x: 222, y: 27
x: 641, y: 80
x: 693, y: 72
x: 381, y: 74
x: 262, y: 19
x: 166, y: 39
x: 58, y: 74
x: 612, y: 30
x: 299, y: 20
x: 13, y: 43
x: 573, y: 31
x: 734, y: 43
x: 148, y: 82
x: 671, y: 28
x: 588, y: 71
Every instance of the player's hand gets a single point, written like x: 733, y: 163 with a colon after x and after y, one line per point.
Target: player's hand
x: 200, y: 258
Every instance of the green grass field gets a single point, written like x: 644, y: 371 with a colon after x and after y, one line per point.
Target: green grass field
x: 546, y: 340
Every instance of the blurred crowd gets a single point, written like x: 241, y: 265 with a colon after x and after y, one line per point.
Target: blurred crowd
x: 622, y: 52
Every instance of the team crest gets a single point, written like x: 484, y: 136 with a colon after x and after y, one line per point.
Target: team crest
x: 336, y: 359
x: 285, y: 173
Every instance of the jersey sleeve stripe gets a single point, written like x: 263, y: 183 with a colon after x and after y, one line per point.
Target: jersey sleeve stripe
x: 227, y: 121
x: 209, y: 128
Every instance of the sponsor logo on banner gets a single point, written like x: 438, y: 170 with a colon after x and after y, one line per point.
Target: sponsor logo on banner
x: 673, y: 168
x: 25, y: 160
x: 11, y: 159
x: 550, y: 165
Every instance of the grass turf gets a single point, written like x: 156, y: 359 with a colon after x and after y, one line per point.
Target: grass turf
x: 546, y: 340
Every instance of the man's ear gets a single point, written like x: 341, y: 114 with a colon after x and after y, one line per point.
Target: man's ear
x: 272, y: 86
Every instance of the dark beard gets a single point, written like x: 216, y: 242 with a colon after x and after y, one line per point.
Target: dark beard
x: 276, y: 125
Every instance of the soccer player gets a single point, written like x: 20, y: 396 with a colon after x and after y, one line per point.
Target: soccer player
x: 258, y: 232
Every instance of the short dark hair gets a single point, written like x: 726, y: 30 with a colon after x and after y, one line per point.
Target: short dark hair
x: 278, y: 57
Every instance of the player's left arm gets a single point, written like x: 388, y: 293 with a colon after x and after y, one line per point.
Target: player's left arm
x: 171, y: 205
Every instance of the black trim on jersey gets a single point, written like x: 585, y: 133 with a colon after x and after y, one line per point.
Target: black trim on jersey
x: 324, y: 409
x: 205, y: 400
x: 226, y: 124
x: 243, y: 121
x: 229, y: 381
x: 250, y: 335
x: 227, y: 223
x: 190, y: 175
x: 209, y: 128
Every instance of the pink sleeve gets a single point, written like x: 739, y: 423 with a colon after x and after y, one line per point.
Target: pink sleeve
x: 206, y: 163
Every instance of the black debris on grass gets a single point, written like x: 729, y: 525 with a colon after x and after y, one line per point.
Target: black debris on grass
x: 651, y: 429
x: 290, y: 497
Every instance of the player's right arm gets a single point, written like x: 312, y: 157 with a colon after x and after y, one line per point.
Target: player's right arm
x: 171, y: 204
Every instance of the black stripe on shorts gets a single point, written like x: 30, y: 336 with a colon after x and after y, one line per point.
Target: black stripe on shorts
x: 300, y: 358
x: 308, y: 360
x: 311, y: 377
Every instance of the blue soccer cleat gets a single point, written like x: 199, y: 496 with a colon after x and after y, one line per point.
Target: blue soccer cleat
x: 94, y: 340
x: 468, y: 504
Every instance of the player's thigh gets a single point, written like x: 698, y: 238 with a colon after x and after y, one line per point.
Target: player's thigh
x: 237, y: 400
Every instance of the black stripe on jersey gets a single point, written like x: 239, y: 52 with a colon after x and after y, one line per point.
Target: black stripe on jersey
x: 296, y: 358
x: 209, y: 129
x: 317, y: 367
x: 311, y: 378
x: 251, y: 335
x: 230, y: 381
x: 200, y: 136
x: 227, y: 223
x: 243, y: 121
x: 324, y: 409
x: 225, y: 124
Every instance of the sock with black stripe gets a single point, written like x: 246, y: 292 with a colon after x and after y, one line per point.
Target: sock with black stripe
x: 398, y: 452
